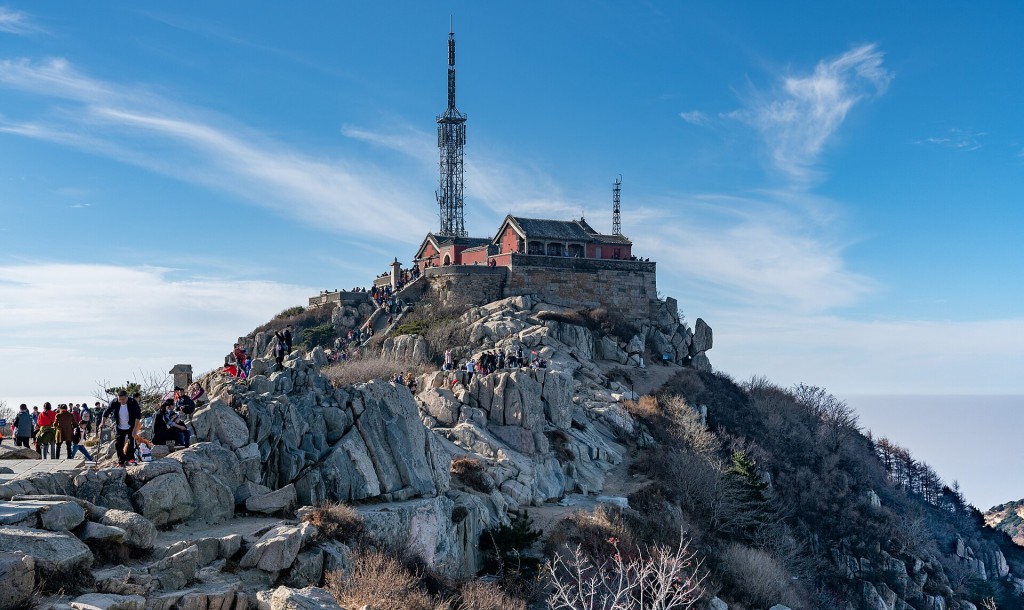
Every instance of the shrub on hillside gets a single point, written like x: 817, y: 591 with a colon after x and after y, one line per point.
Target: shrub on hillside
x: 478, y: 595
x: 321, y: 335
x: 472, y: 473
x: 507, y: 548
x: 299, y: 317
x: 336, y: 521
x: 590, y: 531
x: 380, y: 581
x: 290, y: 312
x: 646, y: 408
x: 659, y: 579
x: 367, y: 368
x: 756, y: 579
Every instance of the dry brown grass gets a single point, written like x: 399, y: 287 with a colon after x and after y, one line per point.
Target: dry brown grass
x: 645, y: 408
x: 478, y: 595
x: 756, y: 578
x: 368, y: 368
x: 336, y: 521
x: 472, y: 473
x: 381, y: 582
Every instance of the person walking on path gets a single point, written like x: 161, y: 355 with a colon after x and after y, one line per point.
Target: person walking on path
x: 65, y: 430
x: 127, y: 416
x: 22, y: 427
x: 46, y: 432
x: 76, y: 446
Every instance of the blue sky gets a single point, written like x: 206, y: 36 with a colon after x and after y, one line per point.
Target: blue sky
x: 834, y: 187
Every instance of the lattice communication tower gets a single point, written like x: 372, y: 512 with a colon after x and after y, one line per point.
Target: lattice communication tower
x: 451, y: 140
x: 616, y: 221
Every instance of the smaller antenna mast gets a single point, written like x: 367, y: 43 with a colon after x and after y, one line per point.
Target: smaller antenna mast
x: 616, y: 220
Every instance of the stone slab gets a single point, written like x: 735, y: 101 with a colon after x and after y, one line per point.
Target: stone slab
x: 24, y: 468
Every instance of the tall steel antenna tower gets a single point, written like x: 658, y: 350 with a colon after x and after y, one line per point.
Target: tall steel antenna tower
x: 451, y: 140
x: 616, y: 221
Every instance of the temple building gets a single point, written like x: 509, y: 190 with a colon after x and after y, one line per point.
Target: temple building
x: 530, y: 236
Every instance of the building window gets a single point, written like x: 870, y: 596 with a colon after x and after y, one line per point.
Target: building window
x: 536, y: 248
x: 576, y: 250
x: 555, y: 249
x: 616, y: 256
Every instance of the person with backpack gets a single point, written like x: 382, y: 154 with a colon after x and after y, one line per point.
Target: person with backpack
x: 22, y: 427
x: 126, y: 416
x: 46, y: 432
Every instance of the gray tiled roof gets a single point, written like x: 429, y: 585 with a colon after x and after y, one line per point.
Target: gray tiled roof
x: 462, y: 241
x: 567, y: 230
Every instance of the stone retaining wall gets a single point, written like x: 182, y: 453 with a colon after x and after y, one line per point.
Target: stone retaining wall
x: 627, y: 287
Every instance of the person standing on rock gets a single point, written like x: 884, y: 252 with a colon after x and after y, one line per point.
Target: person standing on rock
x: 66, y: 425
x: 127, y: 416
x: 279, y: 354
x: 22, y: 427
x: 288, y: 337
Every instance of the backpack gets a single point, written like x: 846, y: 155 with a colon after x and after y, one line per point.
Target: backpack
x: 85, y: 415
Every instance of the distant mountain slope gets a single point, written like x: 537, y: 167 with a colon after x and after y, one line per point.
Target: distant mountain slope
x: 1009, y: 518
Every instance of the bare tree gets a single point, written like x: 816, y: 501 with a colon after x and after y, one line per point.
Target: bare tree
x: 661, y: 579
x: 6, y: 412
x: 151, y: 386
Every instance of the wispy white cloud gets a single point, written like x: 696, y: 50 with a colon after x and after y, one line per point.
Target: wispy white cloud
x: 695, y: 117
x: 760, y: 250
x: 66, y: 325
x: 16, y: 22
x: 797, y: 118
x: 138, y: 126
x: 960, y: 139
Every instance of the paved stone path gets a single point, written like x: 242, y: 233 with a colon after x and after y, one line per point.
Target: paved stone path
x: 23, y: 468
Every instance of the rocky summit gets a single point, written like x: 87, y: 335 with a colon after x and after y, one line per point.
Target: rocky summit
x: 608, y: 442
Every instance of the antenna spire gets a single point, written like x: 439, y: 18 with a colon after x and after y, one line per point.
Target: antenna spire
x: 616, y: 220
x: 451, y: 140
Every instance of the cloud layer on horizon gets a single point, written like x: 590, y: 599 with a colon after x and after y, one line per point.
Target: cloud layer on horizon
x: 65, y: 322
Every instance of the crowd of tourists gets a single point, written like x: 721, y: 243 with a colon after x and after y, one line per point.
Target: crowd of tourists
x: 238, y: 363
x: 47, y: 430
x: 494, y: 360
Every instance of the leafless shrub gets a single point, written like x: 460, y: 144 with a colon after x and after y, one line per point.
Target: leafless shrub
x: 755, y: 577
x: 478, y: 595
x: 472, y: 473
x: 380, y: 581
x: 367, y: 368
x: 589, y: 532
x: 661, y: 579
x: 645, y: 408
x: 685, y: 425
x: 336, y: 521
